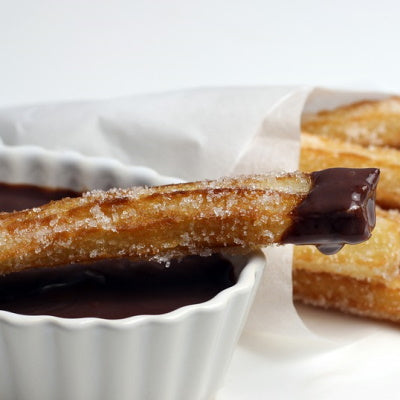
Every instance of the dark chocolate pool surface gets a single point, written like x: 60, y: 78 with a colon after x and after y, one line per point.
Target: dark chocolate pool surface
x: 109, y: 289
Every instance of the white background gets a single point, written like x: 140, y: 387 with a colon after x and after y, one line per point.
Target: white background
x: 68, y: 49
x: 87, y: 49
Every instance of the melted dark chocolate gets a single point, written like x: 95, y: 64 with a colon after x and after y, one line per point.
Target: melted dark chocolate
x: 20, y: 197
x: 109, y: 289
x: 115, y: 289
x: 336, y: 214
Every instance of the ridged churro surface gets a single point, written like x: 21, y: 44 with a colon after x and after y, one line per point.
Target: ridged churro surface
x: 377, y: 259
x: 320, y: 152
x: 366, y: 122
x: 153, y: 223
x: 361, y: 297
x: 362, y: 279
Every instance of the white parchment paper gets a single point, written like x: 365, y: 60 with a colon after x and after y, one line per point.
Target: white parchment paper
x: 192, y: 134
x: 207, y: 133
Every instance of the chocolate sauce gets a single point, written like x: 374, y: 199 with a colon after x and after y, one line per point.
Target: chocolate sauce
x: 20, y: 197
x: 109, y: 289
x: 334, y: 215
x: 115, y: 289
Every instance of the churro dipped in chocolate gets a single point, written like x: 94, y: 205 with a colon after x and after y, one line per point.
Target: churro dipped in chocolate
x: 159, y: 223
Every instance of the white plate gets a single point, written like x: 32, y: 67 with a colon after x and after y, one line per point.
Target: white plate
x: 349, y: 357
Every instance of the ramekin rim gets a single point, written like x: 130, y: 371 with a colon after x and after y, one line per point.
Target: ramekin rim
x: 96, y: 161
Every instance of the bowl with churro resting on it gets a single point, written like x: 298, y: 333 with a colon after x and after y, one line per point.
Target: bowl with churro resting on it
x: 110, y: 328
x: 117, y: 283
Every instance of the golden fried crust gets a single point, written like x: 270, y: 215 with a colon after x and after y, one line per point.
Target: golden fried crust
x: 366, y: 123
x: 320, y: 152
x: 362, y: 279
x: 347, y: 294
x: 153, y: 223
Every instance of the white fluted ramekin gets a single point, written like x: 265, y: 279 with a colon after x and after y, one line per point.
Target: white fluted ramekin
x: 181, y: 355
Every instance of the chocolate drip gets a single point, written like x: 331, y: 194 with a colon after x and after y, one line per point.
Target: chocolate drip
x: 340, y: 209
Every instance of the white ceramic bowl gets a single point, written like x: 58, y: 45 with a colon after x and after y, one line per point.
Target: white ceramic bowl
x: 181, y: 355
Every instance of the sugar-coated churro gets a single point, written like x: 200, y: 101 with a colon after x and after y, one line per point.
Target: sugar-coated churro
x: 377, y: 259
x: 372, y: 299
x: 234, y: 214
x: 320, y: 152
x: 370, y: 122
x: 362, y: 279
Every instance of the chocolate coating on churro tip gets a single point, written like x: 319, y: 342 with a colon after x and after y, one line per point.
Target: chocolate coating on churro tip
x: 339, y: 209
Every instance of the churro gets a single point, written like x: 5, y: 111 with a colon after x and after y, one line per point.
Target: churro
x: 370, y: 122
x: 362, y: 279
x: 377, y: 259
x: 372, y: 299
x: 321, y: 152
x: 231, y: 214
